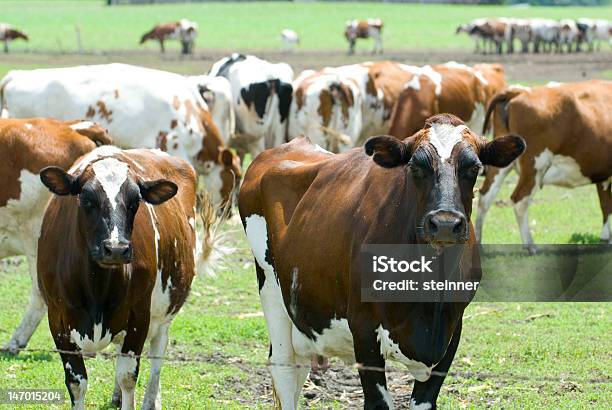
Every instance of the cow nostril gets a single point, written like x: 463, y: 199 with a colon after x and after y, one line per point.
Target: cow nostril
x: 433, y: 226
x: 458, y: 228
x: 128, y: 250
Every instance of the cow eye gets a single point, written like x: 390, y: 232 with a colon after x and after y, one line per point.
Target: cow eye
x: 86, y: 203
x: 134, y: 206
x: 418, y: 170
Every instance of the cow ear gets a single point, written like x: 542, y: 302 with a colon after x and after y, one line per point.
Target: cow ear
x: 157, y: 192
x: 502, y: 151
x: 59, y: 181
x: 389, y: 152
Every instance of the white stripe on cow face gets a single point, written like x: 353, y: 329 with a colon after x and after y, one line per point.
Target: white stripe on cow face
x: 444, y: 137
x: 111, y: 173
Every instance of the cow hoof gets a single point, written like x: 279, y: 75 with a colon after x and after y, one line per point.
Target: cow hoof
x: 116, y: 401
x: 10, y: 349
x: 532, y: 248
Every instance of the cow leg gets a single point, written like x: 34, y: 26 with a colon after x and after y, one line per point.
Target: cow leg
x: 494, y: 179
x: 128, y: 363
x: 116, y: 400
x: 35, y: 311
x: 425, y: 394
x: 74, y: 367
x: 159, y: 342
x: 351, y: 47
x: 528, y: 184
x: 161, y: 45
x: 6, y: 46
x: 604, y: 191
x: 372, y: 374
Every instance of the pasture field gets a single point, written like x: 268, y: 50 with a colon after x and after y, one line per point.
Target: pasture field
x: 256, y: 25
x: 512, y: 355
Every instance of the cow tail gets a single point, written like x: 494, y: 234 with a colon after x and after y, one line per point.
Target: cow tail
x: 502, y: 98
x: 3, y: 106
x: 212, y: 243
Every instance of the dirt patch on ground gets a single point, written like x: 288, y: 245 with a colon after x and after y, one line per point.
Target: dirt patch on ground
x: 529, y: 68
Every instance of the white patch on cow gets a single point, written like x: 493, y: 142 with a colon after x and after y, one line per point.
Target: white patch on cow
x: 391, y: 350
x: 336, y: 341
x: 519, y: 87
x: 428, y: 72
x: 119, y: 337
x: 414, y: 83
x: 111, y: 173
x: 191, y: 221
x: 114, y: 237
x: 522, y: 218
x: 444, y: 137
x: 553, y: 84
x: 421, y: 406
x: 101, y: 339
x: 153, y: 219
x: 100, y: 152
x: 606, y: 231
x: 125, y: 377
x: 477, y: 74
x: 83, y: 125
x: 559, y: 170
x: 159, y: 152
x: 28, y: 126
x: 486, y: 200
x: 286, y: 379
x: 318, y: 148
x: 478, y: 116
x: 386, y: 396
x: 78, y: 390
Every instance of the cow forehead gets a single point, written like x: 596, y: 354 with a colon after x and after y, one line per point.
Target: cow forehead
x: 444, y: 137
x: 111, y: 174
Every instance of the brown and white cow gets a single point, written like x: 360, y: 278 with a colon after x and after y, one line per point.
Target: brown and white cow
x: 9, y: 33
x: 326, y: 106
x: 116, y: 258
x: 447, y: 88
x: 370, y: 28
x: 183, y: 30
x: 27, y: 147
x: 568, y: 130
x: 307, y: 213
x: 140, y: 107
x: 492, y: 33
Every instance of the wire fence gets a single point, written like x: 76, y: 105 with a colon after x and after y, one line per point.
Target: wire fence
x: 336, y: 365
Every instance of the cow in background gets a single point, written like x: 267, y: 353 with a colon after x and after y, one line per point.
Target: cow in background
x: 9, y: 33
x: 568, y: 131
x: 262, y: 94
x: 326, y: 107
x: 370, y: 28
x: 289, y: 38
x: 446, y: 88
x: 140, y: 107
x: 28, y: 146
x: 116, y: 258
x: 183, y: 30
x: 594, y: 31
x: 217, y: 92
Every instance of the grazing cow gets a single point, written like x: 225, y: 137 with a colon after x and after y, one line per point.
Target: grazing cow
x: 370, y: 28
x: 289, y: 38
x: 568, y: 34
x: 262, y: 96
x: 476, y: 34
x: 568, y: 129
x: 592, y: 30
x: 545, y: 34
x: 452, y: 88
x: 326, y: 107
x: 520, y: 29
x: 306, y: 214
x: 140, y: 107
x: 28, y: 146
x: 183, y: 30
x: 492, y: 31
x: 116, y: 257
x: 8, y: 33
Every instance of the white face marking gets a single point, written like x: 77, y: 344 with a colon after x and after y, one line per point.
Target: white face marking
x: 99, y: 342
x: 391, y: 350
x: 444, y: 137
x: 114, y: 237
x: 100, y: 152
x: 421, y: 406
x: 83, y: 125
x: 111, y: 173
x: 386, y: 396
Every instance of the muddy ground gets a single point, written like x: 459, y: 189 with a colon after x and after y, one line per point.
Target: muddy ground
x: 526, y: 68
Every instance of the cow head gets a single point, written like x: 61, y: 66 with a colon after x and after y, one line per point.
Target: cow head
x: 442, y: 161
x: 109, y: 195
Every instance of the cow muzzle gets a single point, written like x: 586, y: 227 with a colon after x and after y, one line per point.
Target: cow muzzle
x: 115, y: 253
x: 445, y: 227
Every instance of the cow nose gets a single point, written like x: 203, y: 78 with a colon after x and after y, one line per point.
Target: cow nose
x: 446, y: 226
x: 116, y: 252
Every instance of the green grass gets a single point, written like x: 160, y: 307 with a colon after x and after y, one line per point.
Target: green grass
x: 539, y: 355
x: 256, y: 25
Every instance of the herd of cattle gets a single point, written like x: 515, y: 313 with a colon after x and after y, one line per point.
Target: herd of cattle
x: 545, y: 35
x: 110, y: 233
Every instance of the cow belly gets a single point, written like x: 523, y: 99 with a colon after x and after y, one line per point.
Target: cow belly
x: 21, y: 218
x: 560, y: 170
x: 335, y: 341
